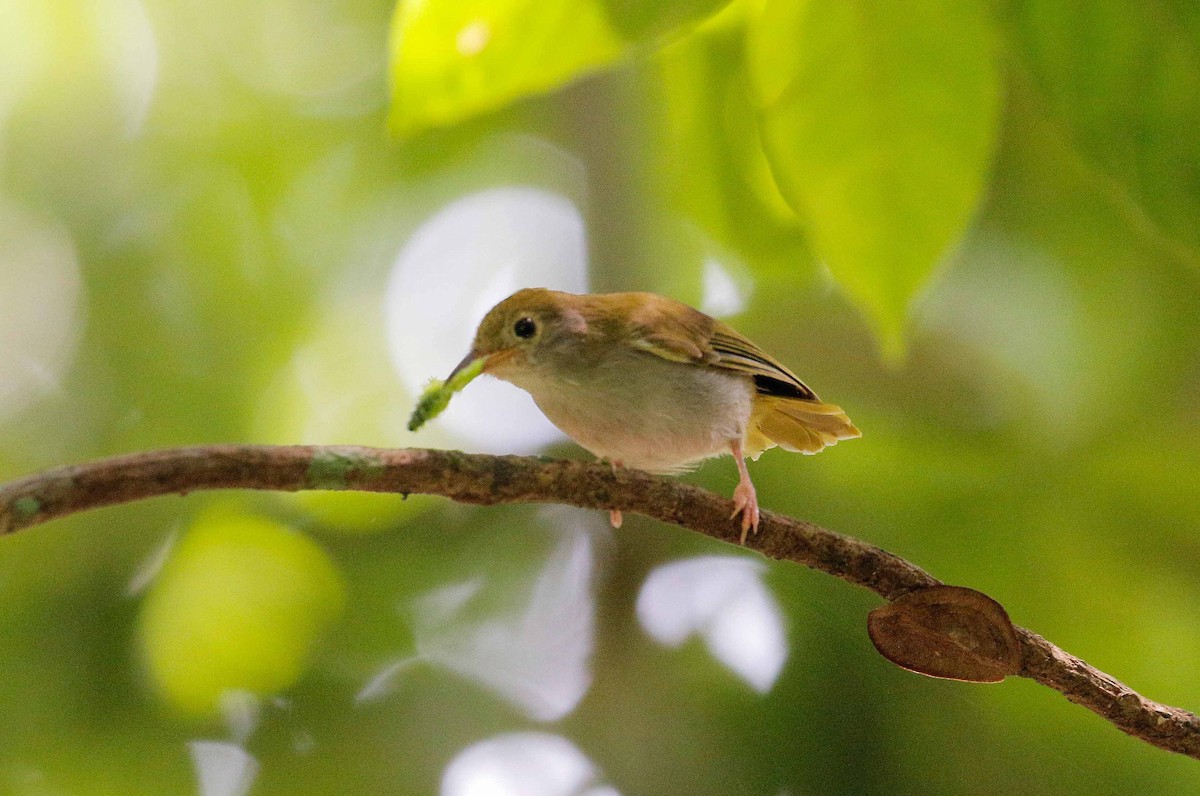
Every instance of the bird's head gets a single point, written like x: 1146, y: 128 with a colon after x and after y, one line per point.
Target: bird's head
x: 526, y: 330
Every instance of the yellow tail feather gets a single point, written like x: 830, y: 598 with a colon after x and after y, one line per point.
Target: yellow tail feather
x: 796, y: 425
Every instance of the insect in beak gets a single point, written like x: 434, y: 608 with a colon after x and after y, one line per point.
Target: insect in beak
x: 489, y: 361
x: 466, y: 361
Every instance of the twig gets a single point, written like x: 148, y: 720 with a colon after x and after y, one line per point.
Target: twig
x: 487, y: 480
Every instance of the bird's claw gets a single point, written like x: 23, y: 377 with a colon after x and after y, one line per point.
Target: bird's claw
x: 614, y: 515
x: 745, y: 502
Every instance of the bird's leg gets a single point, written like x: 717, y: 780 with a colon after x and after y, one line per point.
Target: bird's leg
x: 614, y: 515
x: 745, y: 499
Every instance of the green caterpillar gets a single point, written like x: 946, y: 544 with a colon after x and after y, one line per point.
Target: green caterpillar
x: 437, y: 394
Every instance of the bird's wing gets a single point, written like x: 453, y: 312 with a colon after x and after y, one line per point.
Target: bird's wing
x: 735, y: 352
x: 676, y: 332
x: 667, y: 328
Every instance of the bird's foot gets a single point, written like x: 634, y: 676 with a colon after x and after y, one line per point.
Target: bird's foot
x: 614, y: 516
x: 745, y: 499
x: 745, y: 502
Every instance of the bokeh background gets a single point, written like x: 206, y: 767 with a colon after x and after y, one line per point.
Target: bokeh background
x: 972, y: 224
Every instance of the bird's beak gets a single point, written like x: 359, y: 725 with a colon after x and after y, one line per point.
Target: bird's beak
x: 466, y: 362
x: 486, y: 362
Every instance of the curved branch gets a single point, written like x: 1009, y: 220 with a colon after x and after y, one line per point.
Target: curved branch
x: 487, y: 480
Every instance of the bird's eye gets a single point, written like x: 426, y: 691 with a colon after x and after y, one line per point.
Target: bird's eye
x: 525, y: 328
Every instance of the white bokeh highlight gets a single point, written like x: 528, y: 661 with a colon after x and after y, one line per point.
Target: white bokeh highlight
x: 536, y: 657
x: 148, y: 570
x: 41, y: 311
x: 465, y: 258
x: 523, y: 764
x: 539, y: 659
x: 384, y: 681
x: 241, y: 711
x: 129, y: 50
x: 722, y: 295
x: 44, y: 43
x: 723, y: 600
x: 222, y: 768
x: 22, y: 53
x: 272, y: 45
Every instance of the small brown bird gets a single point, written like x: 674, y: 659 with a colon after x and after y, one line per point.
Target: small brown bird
x: 644, y: 381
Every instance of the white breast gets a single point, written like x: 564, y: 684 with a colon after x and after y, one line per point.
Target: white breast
x: 672, y: 416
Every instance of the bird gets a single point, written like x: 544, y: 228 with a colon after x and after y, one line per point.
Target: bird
x: 644, y: 381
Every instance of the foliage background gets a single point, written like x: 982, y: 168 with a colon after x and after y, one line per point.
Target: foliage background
x: 972, y: 224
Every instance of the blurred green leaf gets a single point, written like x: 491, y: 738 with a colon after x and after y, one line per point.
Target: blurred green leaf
x: 714, y: 169
x: 1124, y: 76
x: 238, y: 606
x: 880, y: 122
x: 452, y: 60
x: 642, y: 19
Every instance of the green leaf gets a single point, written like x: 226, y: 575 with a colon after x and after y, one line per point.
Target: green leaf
x: 710, y: 150
x: 239, y: 605
x: 451, y: 60
x: 1124, y: 77
x: 880, y: 121
x: 647, y: 19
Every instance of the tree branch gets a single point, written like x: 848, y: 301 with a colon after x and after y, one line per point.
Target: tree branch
x: 488, y: 480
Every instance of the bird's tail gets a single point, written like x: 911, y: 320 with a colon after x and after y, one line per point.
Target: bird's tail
x: 796, y: 425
